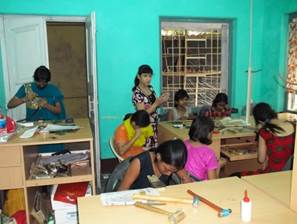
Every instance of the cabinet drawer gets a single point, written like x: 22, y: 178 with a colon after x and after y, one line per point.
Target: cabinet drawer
x: 11, y: 177
x: 10, y: 156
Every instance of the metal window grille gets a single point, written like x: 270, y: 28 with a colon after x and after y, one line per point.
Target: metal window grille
x: 192, y: 59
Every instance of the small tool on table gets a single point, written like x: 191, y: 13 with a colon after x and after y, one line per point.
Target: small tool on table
x: 161, y: 199
x: 173, y: 217
x: 221, y: 211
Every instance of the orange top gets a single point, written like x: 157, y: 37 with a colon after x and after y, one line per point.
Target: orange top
x: 121, y: 137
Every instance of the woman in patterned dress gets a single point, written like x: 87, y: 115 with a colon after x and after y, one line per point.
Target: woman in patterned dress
x: 144, y: 98
x: 276, y: 138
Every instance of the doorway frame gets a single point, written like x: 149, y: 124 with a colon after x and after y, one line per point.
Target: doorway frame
x: 95, y: 121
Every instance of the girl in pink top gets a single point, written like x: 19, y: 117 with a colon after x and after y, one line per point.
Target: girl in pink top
x: 202, y: 162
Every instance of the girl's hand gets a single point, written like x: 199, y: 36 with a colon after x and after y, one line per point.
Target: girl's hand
x: 42, y: 102
x: 265, y: 164
x: 31, y: 95
x: 137, y: 132
x: 163, y: 98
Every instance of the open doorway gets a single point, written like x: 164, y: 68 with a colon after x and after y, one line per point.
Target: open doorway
x: 67, y: 45
x: 67, y: 61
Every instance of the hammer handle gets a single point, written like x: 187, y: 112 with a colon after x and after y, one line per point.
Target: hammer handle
x: 204, y: 200
x: 161, y: 199
x: 152, y: 208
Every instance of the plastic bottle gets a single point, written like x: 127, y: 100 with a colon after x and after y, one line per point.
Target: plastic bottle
x: 246, y: 208
x: 3, y: 130
x: 51, y: 220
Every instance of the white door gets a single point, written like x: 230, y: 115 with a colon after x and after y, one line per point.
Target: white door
x: 92, y: 88
x: 26, y: 49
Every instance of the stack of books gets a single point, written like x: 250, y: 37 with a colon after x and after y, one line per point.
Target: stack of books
x: 64, y: 201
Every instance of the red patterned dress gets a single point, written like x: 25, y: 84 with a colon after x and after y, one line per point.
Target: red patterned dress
x: 140, y: 97
x: 279, y: 149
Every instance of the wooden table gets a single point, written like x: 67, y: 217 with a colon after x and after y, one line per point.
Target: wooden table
x: 276, y: 184
x: 221, y: 142
x: 226, y: 192
x: 166, y: 131
x: 17, y: 156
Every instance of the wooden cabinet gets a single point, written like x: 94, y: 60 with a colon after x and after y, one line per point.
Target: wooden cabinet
x: 11, y: 165
x: 241, y: 153
x: 17, y: 156
x: 239, y: 148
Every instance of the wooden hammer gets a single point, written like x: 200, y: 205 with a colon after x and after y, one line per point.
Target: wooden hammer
x: 173, y: 217
x: 222, y: 212
x: 160, y: 198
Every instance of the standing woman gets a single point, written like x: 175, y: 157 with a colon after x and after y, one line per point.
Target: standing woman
x: 144, y: 98
x: 276, y: 138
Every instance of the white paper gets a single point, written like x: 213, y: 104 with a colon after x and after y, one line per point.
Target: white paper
x: 125, y: 197
x: 26, y: 124
x: 55, y: 127
x: 29, y: 133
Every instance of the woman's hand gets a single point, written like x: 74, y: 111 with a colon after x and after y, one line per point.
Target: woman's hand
x: 30, y: 96
x: 42, y: 102
x: 137, y: 132
x: 162, y: 99
x: 165, y: 97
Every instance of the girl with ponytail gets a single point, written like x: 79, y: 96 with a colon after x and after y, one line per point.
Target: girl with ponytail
x: 275, y: 138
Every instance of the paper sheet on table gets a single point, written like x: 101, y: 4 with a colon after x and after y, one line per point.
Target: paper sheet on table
x: 26, y: 124
x: 29, y: 133
x: 231, y: 122
x: 125, y: 197
x: 55, y: 127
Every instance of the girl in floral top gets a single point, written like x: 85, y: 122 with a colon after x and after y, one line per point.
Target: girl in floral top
x: 144, y: 98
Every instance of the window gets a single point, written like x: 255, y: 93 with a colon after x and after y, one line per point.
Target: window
x: 292, y: 65
x: 195, y: 58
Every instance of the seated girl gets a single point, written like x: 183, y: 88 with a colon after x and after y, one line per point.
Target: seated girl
x: 202, y: 163
x: 219, y: 107
x: 131, y: 136
x: 181, y: 111
x: 276, y: 138
x: 167, y: 158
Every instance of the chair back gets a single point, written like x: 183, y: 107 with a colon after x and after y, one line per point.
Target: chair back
x: 289, y: 164
x: 111, y: 144
x: 117, y: 175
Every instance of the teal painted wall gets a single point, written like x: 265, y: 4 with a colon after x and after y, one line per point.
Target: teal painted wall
x: 128, y: 35
x: 275, y: 34
x: 2, y: 95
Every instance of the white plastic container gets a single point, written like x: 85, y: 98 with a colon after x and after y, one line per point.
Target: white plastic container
x: 246, y: 208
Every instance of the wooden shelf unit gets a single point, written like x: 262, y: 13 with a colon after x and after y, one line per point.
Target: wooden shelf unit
x: 17, y: 155
x: 221, y: 142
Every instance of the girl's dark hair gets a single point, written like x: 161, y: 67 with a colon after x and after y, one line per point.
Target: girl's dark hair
x: 180, y: 94
x: 141, y: 69
x: 220, y: 97
x: 264, y: 113
x: 173, y: 152
x: 200, y: 129
x: 42, y: 73
x: 141, y: 118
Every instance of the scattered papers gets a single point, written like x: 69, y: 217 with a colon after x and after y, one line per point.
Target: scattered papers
x: 229, y: 122
x: 26, y: 124
x: 56, y: 128
x: 125, y: 197
x: 29, y: 133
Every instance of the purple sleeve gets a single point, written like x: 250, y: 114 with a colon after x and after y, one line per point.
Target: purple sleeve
x: 212, y: 162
